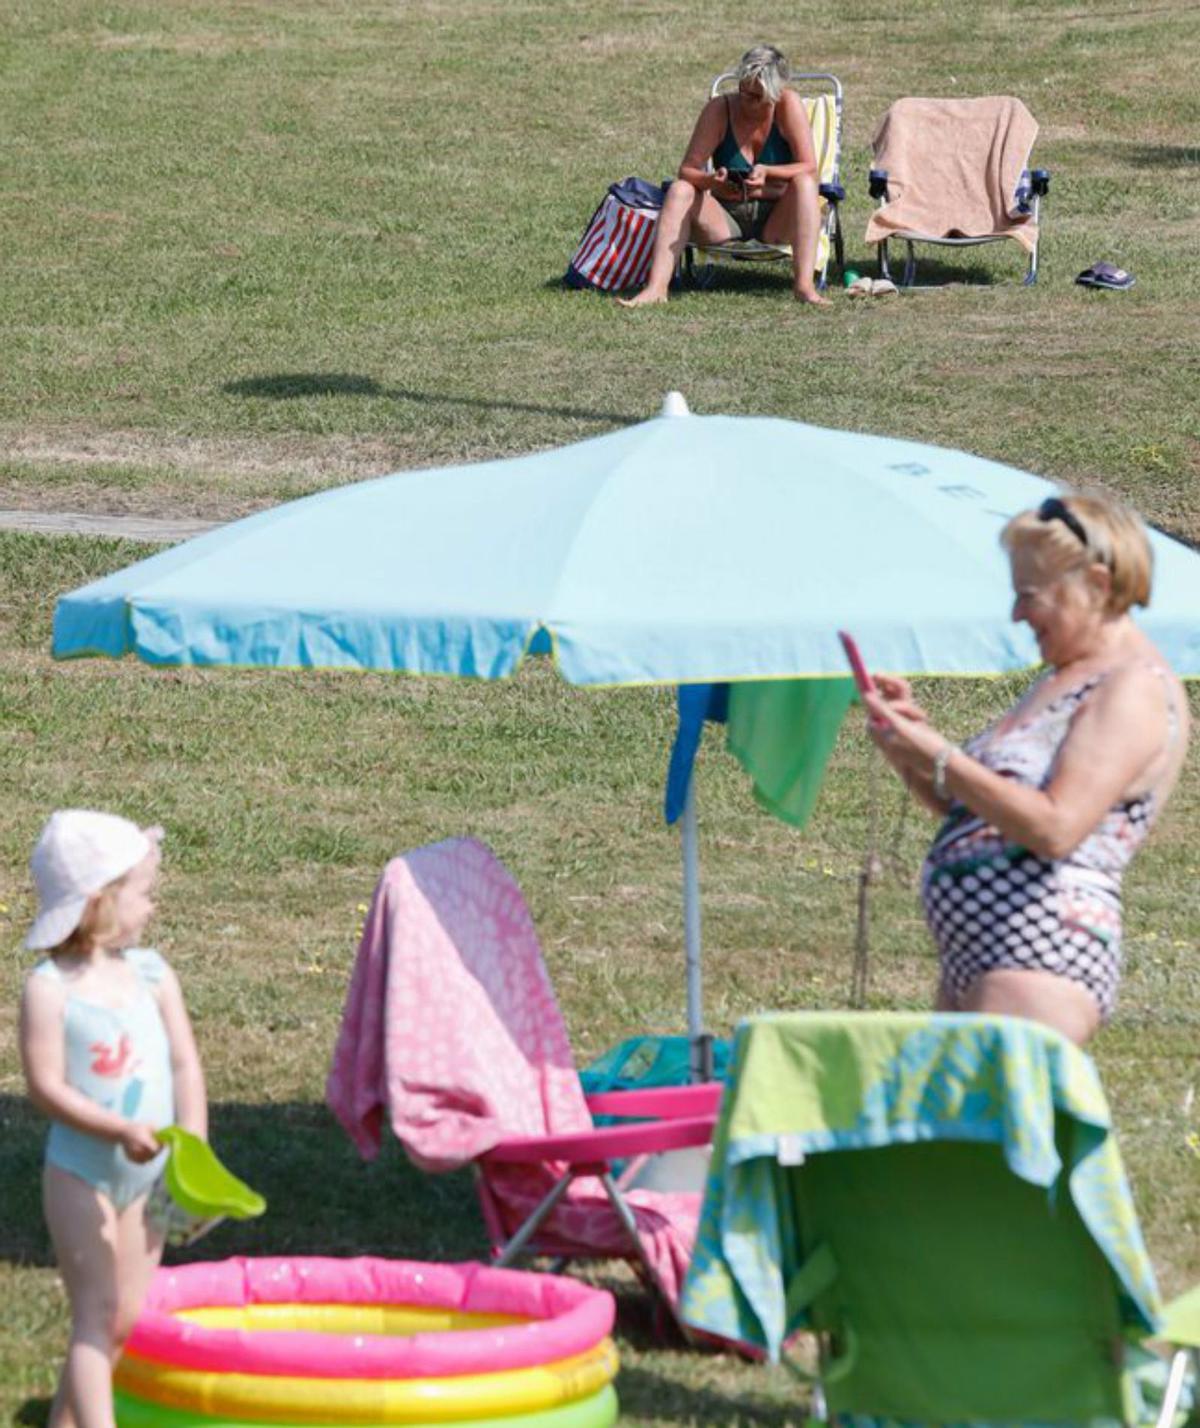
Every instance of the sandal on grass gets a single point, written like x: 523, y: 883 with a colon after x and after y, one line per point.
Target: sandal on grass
x: 1106, y: 275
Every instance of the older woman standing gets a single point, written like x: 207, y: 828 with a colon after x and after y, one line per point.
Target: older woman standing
x: 750, y: 171
x: 1044, y: 810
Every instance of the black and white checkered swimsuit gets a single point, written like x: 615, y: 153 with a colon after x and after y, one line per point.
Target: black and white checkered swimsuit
x: 992, y: 904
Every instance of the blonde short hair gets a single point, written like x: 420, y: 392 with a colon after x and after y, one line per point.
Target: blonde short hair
x: 1113, y: 536
x: 766, y: 66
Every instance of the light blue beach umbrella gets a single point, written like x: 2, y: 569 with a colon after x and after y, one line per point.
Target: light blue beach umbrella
x: 685, y: 549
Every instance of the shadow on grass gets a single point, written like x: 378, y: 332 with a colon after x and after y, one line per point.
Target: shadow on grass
x: 321, y: 1197
x: 289, y: 386
x: 646, y: 1394
x: 935, y: 273
x: 1162, y: 156
x: 774, y: 280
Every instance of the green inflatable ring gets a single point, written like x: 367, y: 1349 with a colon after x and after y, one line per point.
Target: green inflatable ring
x: 597, y: 1411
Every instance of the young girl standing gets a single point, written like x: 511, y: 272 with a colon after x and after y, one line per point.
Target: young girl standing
x: 109, y: 1056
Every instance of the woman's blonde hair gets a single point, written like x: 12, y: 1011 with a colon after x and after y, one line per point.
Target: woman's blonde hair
x: 1074, y: 531
x: 766, y: 66
x: 98, y: 923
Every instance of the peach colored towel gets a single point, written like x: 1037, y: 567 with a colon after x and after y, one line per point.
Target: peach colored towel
x: 451, y: 1030
x: 953, y: 168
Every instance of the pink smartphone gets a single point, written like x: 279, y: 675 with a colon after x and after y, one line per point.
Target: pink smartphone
x: 866, y: 685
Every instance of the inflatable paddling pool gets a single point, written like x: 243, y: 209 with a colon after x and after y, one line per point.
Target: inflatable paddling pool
x: 357, y: 1342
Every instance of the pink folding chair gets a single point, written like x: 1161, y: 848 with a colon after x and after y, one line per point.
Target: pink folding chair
x: 451, y: 1028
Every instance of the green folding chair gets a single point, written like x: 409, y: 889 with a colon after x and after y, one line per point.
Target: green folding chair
x: 939, y: 1201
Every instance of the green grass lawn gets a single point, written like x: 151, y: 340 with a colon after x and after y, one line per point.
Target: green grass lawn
x: 255, y: 249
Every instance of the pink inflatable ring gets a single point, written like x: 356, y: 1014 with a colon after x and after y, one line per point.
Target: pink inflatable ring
x: 529, y: 1319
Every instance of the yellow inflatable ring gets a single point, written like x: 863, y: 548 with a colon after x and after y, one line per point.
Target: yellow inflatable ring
x: 412, y: 1400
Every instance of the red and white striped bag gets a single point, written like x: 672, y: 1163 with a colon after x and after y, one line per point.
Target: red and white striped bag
x: 614, y: 252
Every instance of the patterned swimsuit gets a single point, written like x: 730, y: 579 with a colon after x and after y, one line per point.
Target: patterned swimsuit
x: 992, y: 904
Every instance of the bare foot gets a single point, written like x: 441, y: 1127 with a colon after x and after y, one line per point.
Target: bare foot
x: 811, y: 296
x: 643, y: 299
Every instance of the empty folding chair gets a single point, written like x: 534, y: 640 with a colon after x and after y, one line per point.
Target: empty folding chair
x: 955, y: 173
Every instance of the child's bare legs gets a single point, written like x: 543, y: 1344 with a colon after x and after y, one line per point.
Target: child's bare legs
x: 796, y: 219
x: 684, y: 209
x: 106, y: 1260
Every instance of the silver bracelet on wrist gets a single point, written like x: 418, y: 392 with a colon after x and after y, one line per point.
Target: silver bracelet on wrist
x: 940, y: 762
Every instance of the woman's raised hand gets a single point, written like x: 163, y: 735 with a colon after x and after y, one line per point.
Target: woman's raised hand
x: 900, y: 728
x: 897, y: 693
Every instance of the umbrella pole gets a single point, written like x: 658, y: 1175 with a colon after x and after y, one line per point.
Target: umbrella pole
x: 701, y: 1044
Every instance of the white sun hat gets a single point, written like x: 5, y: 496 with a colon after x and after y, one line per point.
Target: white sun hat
x: 79, y: 853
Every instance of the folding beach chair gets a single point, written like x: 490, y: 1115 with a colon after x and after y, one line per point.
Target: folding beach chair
x: 452, y: 1030
x: 822, y: 95
x: 955, y: 173
x: 939, y: 1199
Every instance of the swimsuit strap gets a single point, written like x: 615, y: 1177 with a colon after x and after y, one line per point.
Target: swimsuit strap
x: 1076, y: 693
x: 730, y: 150
x: 146, y: 964
x: 1174, y: 721
x: 1149, y: 796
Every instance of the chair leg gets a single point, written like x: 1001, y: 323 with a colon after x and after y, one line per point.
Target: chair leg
x: 518, y: 1242
x: 910, y: 267
x: 633, y: 1169
x: 625, y: 1215
x: 832, y: 229
x: 1174, y: 1389
x: 884, y: 270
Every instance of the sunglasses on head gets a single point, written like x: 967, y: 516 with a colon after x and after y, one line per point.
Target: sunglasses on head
x: 1052, y: 509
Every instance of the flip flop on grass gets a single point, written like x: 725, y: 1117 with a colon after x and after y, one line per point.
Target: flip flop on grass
x: 1106, y: 275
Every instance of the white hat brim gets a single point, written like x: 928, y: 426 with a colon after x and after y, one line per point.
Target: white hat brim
x: 55, y: 924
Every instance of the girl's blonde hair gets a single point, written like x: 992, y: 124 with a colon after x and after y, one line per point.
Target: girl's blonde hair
x: 1112, y: 535
x: 766, y: 66
x: 99, y: 922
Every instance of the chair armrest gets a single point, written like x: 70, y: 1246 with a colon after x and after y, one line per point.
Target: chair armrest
x: 597, y: 1147
x: 661, y: 1102
x: 831, y: 192
x: 877, y: 183
x: 1039, y: 182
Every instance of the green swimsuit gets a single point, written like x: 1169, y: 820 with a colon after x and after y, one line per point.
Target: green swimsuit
x: 728, y: 155
x: 750, y: 215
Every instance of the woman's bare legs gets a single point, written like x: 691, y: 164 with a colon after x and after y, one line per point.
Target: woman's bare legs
x: 796, y: 219
x: 1040, y: 996
x: 106, y: 1260
x: 685, y: 209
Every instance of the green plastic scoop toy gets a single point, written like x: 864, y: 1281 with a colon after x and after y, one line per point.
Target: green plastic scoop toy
x: 200, y: 1185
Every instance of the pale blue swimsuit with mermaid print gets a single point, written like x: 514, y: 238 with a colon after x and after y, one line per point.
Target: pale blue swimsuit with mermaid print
x: 120, y: 1058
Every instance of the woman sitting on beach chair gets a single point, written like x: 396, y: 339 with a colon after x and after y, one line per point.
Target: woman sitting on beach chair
x: 750, y: 171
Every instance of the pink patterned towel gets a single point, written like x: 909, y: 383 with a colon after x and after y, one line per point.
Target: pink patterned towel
x: 954, y: 167
x: 451, y: 1029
